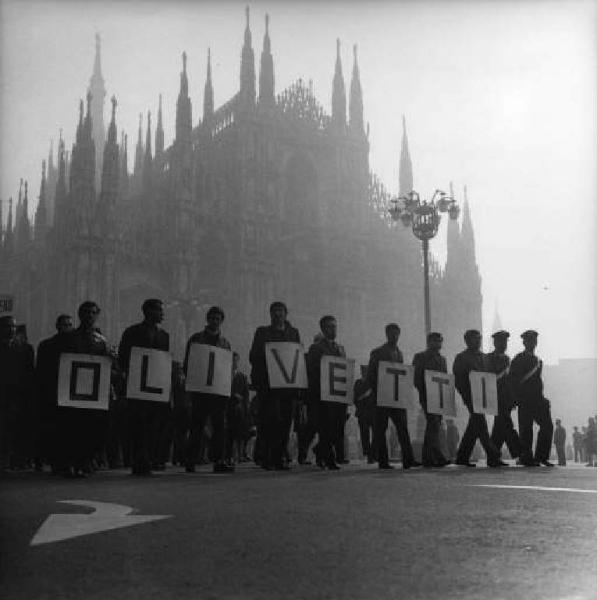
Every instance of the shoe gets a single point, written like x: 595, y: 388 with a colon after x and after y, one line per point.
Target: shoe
x: 465, y: 463
x: 304, y: 461
x: 320, y: 463
x: 429, y: 465
x: 223, y: 468
x: 345, y: 461
x: 415, y: 463
x: 546, y: 463
x: 332, y: 466
x: 281, y: 467
x: 527, y: 463
x: 497, y: 464
x: 443, y: 463
x: 190, y: 468
x: 385, y: 466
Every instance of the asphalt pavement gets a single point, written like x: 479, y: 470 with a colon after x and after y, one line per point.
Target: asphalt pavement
x: 358, y: 533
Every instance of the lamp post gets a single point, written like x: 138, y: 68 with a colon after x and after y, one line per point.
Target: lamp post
x: 424, y: 218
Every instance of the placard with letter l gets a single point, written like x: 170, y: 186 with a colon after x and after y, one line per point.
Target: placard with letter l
x: 286, y: 365
x: 209, y: 370
x: 395, y: 384
x: 150, y: 375
x: 84, y: 381
x: 337, y: 379
x: 441, y: 395
x: 484, y: 392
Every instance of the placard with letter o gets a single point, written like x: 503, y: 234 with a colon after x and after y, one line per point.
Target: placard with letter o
x: 337, y: 379
x: 395, y: 384
x: 441, y: 395
x: 209, y: 370
x: 484, y: 392
x: 286, y: 365
x: 84, y: 381
x: 150, y: 375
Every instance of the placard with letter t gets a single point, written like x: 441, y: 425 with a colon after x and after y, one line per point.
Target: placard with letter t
x: 84, y: 381
x: 209, y: 370
x: 441, y: 396
x: 286, y: 365
x: 395, y: 384
x: 337, y: 379
x: 484, y: 392
x: 150, y: 375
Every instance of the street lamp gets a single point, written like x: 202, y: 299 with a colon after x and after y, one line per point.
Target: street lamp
x: 424, y: 219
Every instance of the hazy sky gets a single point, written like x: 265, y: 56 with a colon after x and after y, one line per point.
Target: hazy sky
x: 499, y: 96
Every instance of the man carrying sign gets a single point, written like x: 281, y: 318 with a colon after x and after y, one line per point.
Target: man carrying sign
x: 206, y: 405
x: 498, y: 362
x: 431, y: 360
x: 275, y: 405
x: 330, y: 415
x: 145, y: 416
x: 391, y: 353
x: 525, y: 374
x: 469, y: 360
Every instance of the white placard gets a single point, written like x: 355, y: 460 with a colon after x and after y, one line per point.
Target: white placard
x: 337, y: 379
x: 441, y: 395
x: 209, y: 370
x: 286, y: 365
x: 484, y: 392
x: 150, y: 375
x: 395, y: 388
x: 84, y: 381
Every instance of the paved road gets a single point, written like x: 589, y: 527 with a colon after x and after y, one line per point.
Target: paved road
x: 358, y: 533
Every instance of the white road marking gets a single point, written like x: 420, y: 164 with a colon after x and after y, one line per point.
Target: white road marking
x: 535, y: 487
x: 106, y: 516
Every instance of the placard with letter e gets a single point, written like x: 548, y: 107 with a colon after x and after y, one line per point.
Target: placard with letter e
x: 441, y: 395
x: 484, y: 392
x: 209, y: 370
x: 337, y: 379
x: 286, y: 365
x: 150, y: 375
x: 84, y: 381
x: 395, y: 384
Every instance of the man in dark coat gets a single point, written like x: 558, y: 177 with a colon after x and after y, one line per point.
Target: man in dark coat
x: 389, y: 352
x: 146, y: 417
x: 533, y: 407
x: 469, y: 360
x: 331, y: 416
x: 46, y: 390
x: 275, y: 405
x: 498, y: 362
x: 206, y: 406
x: 430, y: 360
x: 559, y: 441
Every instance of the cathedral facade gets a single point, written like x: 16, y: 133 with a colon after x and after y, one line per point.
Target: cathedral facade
x: 265, y: 198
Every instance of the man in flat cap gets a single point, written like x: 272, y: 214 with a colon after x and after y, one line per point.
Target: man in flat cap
x: 498, y: 362
x: 468, y: 360
x: 527, y: 385
x: 430, y: 359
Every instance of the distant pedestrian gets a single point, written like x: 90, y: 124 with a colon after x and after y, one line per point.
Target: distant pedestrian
x: 559, y: 441
x: 577, y: 445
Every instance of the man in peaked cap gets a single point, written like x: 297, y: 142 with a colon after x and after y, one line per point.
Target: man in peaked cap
x: 527, y: 385
x: 498, y: 362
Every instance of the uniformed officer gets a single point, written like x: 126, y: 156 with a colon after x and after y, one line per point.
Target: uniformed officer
x: 330, y: 415
x: 498, y: 362
x: 208, y: 405
x: 145, y: 416
x: 466, y: 361
x: 275, y: 406
x: 533, y: 407
x: 431, y: 360
x: 389, y: 352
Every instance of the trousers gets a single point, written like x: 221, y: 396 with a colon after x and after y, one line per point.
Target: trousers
x: 432, y: 453
x: 476, y: 429
x: 204, y: 406
x: 529, y: 412
x: 503, y: 431
x: 398, y: 416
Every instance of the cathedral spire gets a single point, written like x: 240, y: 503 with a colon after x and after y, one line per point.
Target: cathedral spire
x: 247, y: 68
x: 9, y: 234
x: 23, y: 226
x: 147, y: 165
x: 97, y: 88
x: 60, y: 195
x: 467, y: 233
x: 139, y: 148
x: 159, y: 131
x: 356, y: 97
x: 208, y: 91
x: 41, y: 217
x: 110, y: 173
x: 405, y: 176
x: 183, y: 107
x: 266, y: 74
x: 338, y: 93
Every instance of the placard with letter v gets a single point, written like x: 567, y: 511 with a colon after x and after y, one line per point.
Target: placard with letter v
x: 286, y: 365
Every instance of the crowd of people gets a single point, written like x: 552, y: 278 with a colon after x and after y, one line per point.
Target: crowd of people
x: 256, y: 420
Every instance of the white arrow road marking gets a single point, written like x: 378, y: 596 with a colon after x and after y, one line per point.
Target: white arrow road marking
x: 106, y: 516
x: 535, y: 487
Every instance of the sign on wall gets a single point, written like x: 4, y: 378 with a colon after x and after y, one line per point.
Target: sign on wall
x: 395, y: 388
x: 84, y: 381
x: 484, y: 392
x: 337, y: 379
x: 286, y: 365
x: 150, y: 375
x: 209, y: 370
x: 441, y: 395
